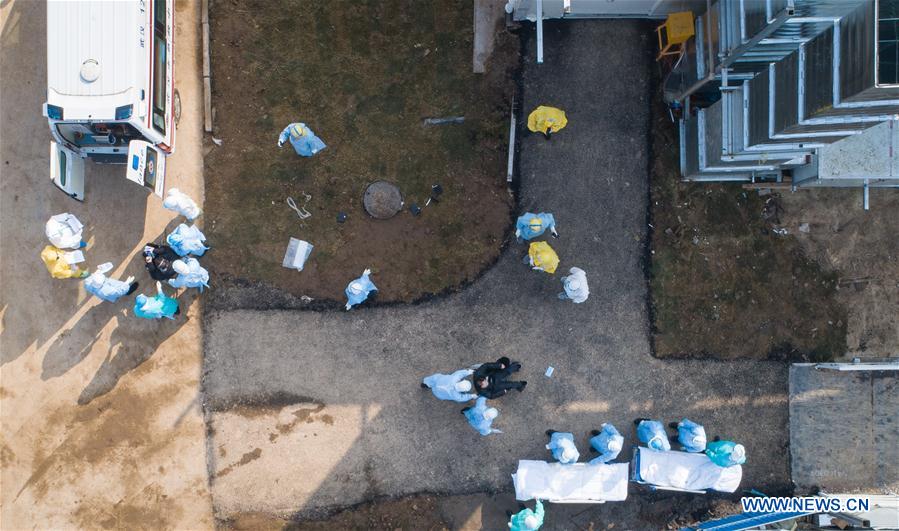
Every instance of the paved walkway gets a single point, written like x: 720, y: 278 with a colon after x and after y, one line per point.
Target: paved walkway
x: 843, y: 430
x: 101, y: 424
x: 347, y: 420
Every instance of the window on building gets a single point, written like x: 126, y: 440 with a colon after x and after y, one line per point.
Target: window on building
x: 888, y: 42
x: 160, y: 73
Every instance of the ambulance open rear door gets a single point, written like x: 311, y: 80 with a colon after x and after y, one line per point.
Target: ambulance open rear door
x: 146, y: 166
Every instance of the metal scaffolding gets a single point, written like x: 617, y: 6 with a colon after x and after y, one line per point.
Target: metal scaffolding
x: 768, y: 87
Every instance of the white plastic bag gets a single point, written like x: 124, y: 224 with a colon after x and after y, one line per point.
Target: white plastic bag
x: 73, y: 257
x: 297, y: 253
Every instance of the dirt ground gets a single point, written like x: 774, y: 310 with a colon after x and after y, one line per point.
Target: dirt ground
x: 363, y: 79
x: 353, y: 438
x: 487, y: 511
x: 863, y: 248
x: 414, y: 512
x: 724, y: 283
x: 100, y: 419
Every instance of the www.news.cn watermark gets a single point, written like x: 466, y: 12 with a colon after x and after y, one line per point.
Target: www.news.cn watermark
x: 808, y: 504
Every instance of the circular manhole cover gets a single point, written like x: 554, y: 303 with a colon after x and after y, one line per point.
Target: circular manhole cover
x: 382, y: 200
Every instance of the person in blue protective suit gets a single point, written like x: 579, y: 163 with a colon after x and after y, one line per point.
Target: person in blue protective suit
x: 607, y: 443
x: 157, y: 307
x: 304, y: 141
x: 690, y: 435
x: 726, y: 453
x: 526, y: 519
x: 481, y: 417
x: 185, y: 240
x: 108, y: 289
x: 357, y: 291
x: 561, y: 444
x: 190, y: 274
x: 530, y: 225
x: 450, y: 386
x: 652, y: 434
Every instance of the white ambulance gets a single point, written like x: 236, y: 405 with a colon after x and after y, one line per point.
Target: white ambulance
x: 110, y: 89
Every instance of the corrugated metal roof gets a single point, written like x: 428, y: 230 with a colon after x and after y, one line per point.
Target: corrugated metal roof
x: 106, y: 31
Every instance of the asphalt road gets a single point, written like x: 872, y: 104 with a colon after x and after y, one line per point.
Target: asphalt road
x: 347, y: 420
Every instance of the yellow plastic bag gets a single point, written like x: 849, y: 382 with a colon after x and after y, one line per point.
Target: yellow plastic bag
x: 543, y: 119
x: 543, y: 257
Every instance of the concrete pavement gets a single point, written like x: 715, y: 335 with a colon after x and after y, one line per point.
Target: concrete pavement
x: 314, y: 411
x: 101, y: 423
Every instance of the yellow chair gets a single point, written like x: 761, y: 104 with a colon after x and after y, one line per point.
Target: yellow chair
x: 676, y: 30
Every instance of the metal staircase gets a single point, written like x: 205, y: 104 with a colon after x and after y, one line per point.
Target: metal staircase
x: 768, y: 85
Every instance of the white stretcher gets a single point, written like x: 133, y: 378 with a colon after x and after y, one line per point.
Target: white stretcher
x: 575, y: 483
x: 683, y: 472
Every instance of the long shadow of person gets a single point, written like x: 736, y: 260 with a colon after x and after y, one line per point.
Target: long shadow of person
x: 69, y: 349
x: 132, y: 343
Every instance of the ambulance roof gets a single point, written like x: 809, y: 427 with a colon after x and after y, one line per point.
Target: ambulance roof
x: 105, y: 40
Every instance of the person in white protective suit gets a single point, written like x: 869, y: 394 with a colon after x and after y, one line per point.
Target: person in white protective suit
x: 108, y: 289
x: 178, y: 201
x: 190, y: 274
x: 450, y: 386
x: 575, y: 286
x: 65, y: 231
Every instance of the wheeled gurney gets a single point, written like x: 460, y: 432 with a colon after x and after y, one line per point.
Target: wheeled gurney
x: 575, y: 483
x: 682, y: 471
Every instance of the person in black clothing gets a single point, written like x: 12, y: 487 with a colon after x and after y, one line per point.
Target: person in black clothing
x: 159, y: 260
x: 490, y: 378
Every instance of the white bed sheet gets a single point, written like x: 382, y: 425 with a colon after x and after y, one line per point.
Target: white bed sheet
x: 579, y: 482
x: 687, y: 471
